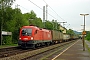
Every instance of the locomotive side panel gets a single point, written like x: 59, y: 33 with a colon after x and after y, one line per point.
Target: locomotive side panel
x: 47, y: 35
x: 38, y: 35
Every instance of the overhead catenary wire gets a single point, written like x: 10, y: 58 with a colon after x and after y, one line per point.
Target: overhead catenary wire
x: 56, y: 13
x: 35, y: 5
x: 22, y: 6
x: 40, y: 8
x: 53, y: 10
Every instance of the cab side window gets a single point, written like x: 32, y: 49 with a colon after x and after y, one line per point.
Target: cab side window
x: 36, y: 32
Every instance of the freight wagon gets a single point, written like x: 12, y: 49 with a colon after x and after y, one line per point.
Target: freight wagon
x: 57, y: 36
x: 66, y: 37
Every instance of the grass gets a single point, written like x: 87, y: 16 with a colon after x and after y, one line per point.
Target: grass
x: 87, y: 47
x: 4, y: 46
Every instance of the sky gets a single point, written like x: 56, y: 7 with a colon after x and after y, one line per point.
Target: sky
x: 62, y: 10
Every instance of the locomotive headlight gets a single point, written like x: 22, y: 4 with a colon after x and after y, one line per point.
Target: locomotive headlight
x: 19, y: 38
x: 31, y: 38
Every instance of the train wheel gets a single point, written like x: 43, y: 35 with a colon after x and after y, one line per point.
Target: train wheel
x: 48, y: 43
x: 34, y: 46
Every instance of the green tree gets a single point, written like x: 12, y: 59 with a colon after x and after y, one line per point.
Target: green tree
x: 30, y: 17
x: 70, y: 32
x: 56, y: 26
x: 38, y: 22
x: 6, y: 2
x: 3, y: 5
x: 33, y: 19
x: 88, y: 35
x: 13, y: 20
x: 19, y: 22
x: 49, y: 25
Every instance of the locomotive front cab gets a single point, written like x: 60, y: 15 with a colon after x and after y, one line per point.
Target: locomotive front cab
x: 26, y: 36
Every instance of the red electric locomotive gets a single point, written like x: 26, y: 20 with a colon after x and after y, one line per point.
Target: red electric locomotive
x: 32, y: 36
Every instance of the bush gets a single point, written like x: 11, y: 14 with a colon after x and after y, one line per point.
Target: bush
x: 88, y: 36
x: 7, y: 40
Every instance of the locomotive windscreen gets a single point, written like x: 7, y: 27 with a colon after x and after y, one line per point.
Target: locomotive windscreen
x: 26, y: 32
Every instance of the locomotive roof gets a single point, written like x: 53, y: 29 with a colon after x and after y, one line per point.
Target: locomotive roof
x: 36, y: 28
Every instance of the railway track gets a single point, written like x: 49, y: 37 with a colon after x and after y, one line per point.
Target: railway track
x: 25, y: 54
x: 49, y: 54
x: 7, y: 49
x: 6, y: 52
